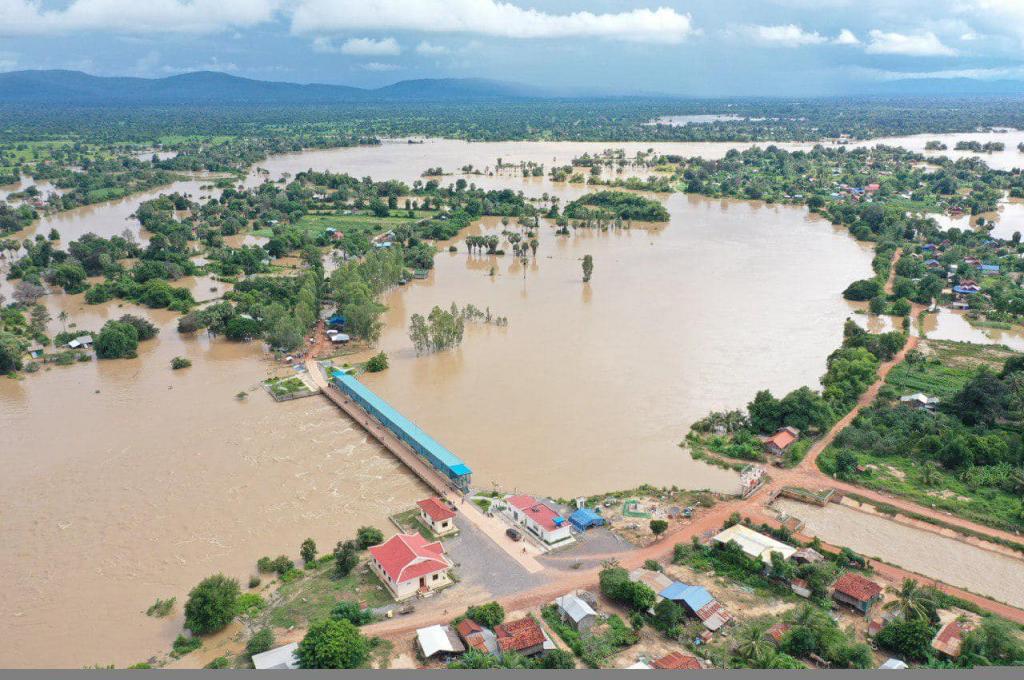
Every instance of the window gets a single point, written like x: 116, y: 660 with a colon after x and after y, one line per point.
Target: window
x: 435, y: 577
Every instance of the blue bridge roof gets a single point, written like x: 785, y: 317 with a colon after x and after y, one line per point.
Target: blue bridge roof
x: 449, y: 459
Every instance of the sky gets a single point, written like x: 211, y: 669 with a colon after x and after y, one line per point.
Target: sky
x: 700, y: 48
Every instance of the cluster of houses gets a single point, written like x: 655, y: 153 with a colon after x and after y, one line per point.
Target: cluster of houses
x: 524, y: 636
x: 697, y: 601
x: 82, y: 342
x: 851, y: 589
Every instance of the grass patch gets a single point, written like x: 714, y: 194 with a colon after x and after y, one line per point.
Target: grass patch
x: 161, y: 608
x: 935, y: 487
x: 595, y: 648
x: 368, y: 225
x: 312, y: 597
x: 931, y: 377
x: 483, y: 503
x: 286, y: 387
x: 410, y: 521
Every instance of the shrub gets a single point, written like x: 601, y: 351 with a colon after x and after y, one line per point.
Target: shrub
x: 254, y: 581
x: 250, y: 604
x: 211, y: 604
x: 262, y: 641
x: 367, y: 536
x: 347, y: 610
x: 308, y: 551
x: 161, y: 608
x: 908, y: 639
x: 488, y: 615
x: 377, y: 363
x: 219, y: 663
x: 346, y: 557
x: 183, y: 645
x: 658, y: 526
x: 179, y: 363
x: 145, y: 329
x: 117, y: 340
x: 333, y: 644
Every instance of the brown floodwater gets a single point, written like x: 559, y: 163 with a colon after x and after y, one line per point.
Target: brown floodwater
x: 947, y: 324
x: 125, y: 481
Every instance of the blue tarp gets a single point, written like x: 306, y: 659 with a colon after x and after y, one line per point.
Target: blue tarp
x: 694, y: 597
x: 406, y: 430
x: 336, y: 320
x: 584, y: 518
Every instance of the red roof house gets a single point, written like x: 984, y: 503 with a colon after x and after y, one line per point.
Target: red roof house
x: 781, y: 440
x: 539, y: 518
x: 677, y: 661
x: 857, y: 591
x: 523, y: 636
x: 437, y: 515
x: 408, y: 563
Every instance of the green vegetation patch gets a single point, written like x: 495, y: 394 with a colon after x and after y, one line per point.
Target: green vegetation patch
x: 314, y: 596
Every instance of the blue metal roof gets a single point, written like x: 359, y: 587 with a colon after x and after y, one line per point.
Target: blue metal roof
x: 694, y: 597
x: 585, y: 517
x: 453, y: 462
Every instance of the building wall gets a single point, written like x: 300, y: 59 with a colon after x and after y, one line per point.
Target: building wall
x: 441, y: 528
x: 552, y: 536
x: 406, y: 589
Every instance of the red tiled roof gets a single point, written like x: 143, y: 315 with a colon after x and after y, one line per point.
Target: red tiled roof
x: 408, y: 556
x: 468, y: 627
x: 677, y: 661
x: 519, y: 635
x: 435, y: 509
x: 777, y: 631
x: 783, y: 438
x: 537, y: 511
x: 857, y: 587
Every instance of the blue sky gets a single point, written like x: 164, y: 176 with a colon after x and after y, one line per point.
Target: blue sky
x: 687, y: 47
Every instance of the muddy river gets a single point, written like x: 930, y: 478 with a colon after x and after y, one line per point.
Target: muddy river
x: 951, y: 561
x: 125, y: 481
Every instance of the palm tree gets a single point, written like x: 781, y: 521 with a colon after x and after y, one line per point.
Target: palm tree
x: 910, y: 599
x: 63, y: 317
x: 752, y: 642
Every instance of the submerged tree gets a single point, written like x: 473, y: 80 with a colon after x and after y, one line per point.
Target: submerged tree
x: 588, y: 267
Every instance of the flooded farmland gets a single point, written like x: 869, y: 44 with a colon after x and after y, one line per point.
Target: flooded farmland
x: 954, y: 562
x: 147, y: 479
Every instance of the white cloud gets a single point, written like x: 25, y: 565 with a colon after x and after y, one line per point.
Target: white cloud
x: 488, y: 17
x: 788, y: 35
x: 430, y: 49
x: 917, y: 45
x: 999, y: 73
x: 371, y: 47
x: 28, y: 17
x: 367, y: 47
x: 378, y: 66
x: 846, y: 37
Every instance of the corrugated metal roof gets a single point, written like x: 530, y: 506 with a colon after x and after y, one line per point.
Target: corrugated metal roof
x: 453, y: 462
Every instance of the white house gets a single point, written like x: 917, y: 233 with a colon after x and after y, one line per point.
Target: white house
x: 277, y: 659
x: 409, y: 564
x: 539, y: 519
x: 83, y: 341
x: 438, y: 516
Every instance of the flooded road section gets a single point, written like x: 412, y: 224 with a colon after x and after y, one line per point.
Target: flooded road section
x: 946, y: 559
x: 125, y: 481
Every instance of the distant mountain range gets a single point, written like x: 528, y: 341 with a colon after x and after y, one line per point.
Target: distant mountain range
x: 209, y: 87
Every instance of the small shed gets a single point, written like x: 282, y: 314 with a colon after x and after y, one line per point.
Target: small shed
x: 82, y: 341
x: 576, y: 612
x: 893, y: 665
x: 438, y: 639
x: 277, y: 659
x: 585, y: 518
x: 783, y: 438
x: 339, y: 338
